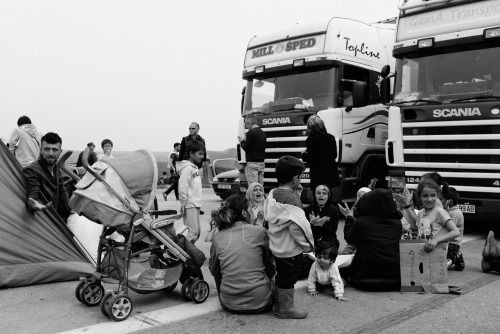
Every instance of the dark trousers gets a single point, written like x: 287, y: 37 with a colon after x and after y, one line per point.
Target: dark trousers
x: 287, y: 271
x: 174, y: 187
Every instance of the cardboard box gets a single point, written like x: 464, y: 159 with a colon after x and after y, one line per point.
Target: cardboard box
x: 422, y: 271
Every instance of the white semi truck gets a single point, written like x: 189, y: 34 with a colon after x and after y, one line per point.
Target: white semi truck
x: 330, y: 68
x: 445, y: 115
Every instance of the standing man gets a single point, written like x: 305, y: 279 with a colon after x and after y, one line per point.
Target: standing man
x: 92, y: 156
x: 255, y: 148
x: 44, y: 177
x: 194, y: 128
x: 25, y: 141
x: 174, y: 157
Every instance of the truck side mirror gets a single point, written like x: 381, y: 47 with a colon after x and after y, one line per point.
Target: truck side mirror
x: 385, y: 91
x: 243, y: 97
x: 385, y: 71
x: 359, y: 94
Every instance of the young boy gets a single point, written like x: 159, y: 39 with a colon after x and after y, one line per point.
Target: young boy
x: 454, y: 254
x: 190, y: 189
x: 289, y: 233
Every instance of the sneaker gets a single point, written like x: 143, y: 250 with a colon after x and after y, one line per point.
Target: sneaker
x: 165, y: 196
x: 202, y: 212
x: 449, y: 263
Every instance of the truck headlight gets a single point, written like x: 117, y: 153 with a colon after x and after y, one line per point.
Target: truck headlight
x: 215, y: 179
x: 396, y: 182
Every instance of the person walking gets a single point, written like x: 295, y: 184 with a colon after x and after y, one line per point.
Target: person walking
x: 255, y: 147
x: 174, y: 176
x: 25, y: 142
x: 321, y: 152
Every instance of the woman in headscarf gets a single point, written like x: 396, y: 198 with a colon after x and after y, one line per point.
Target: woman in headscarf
x: 376, y: 232
x: 255, y: 195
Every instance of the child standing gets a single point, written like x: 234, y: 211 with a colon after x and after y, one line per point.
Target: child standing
x: 432, y: 218
x: 451, y: 204
x: 289, y: 234
x: 324, y: 274
x: 190, y: 189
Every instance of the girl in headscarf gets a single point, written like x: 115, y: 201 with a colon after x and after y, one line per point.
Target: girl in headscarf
x: 255, y: 195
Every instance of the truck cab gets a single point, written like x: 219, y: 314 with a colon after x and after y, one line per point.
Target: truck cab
x: 332, y: 69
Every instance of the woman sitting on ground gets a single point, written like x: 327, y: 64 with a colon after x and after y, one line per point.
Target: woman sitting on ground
x: 323, y: 216
x: 376, y: 232
x: 240, y: 260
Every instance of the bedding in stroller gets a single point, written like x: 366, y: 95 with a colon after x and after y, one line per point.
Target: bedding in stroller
x: 120, y: 194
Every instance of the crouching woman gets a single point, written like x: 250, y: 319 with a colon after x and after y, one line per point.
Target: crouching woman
x: 240, y: 259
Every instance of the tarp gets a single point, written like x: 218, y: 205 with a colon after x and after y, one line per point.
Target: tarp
x: 34, y: 249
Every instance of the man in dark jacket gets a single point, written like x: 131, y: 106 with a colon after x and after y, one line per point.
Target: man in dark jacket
x: 43, y: 179
x: 255, y: 147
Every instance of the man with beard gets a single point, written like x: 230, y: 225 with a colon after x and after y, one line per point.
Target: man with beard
x: 43, y: 179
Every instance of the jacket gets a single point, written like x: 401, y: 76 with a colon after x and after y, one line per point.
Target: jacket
x: 242, y: 266
x: 376, y: 232
x: 289, y: 230
x: 24, y: 143
x: 190, y: 188
x: 184, y: 154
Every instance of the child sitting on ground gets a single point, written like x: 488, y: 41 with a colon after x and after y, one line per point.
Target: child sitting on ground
x: 324, y: 274
x: 190, y: 189
x: 455, y: 257
x: 289, y: 234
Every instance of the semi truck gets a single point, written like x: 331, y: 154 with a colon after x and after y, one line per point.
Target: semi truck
x: 445, y: 112
x: 330, y: 68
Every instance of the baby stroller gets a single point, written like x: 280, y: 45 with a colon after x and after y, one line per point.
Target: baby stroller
x: 119, y: 193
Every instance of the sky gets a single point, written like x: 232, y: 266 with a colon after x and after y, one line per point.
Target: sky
x: 139, y: 72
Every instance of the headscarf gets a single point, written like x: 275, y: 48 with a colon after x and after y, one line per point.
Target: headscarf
x: 250, y: 194
x: 378, y: 203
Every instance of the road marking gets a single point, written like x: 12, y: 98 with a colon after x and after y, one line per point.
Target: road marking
x: 156, y: 318
x: 414, y: 310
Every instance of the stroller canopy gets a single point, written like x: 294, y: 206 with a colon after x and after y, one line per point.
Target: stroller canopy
x: 133, y: 176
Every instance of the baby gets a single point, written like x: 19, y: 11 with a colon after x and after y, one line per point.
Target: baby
x: 324, y: 274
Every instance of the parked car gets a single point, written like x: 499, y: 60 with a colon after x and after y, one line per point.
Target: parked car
x: 226, y: 180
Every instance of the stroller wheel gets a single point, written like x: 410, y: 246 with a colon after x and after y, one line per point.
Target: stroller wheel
x: 199, y: 291
x: 91, y: 293
x: 79, y: 288
x: 119, y: 307
x: 186, y: 288
x: 170, y: 288
x: 105, y: 302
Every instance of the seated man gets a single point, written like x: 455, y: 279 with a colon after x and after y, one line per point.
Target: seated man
x: 44, y: 177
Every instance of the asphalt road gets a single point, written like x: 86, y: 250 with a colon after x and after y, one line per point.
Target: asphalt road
x: 53, y: 308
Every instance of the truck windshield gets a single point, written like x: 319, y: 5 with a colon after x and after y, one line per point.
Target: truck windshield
x: 312, y: 91
x: 462, y: 74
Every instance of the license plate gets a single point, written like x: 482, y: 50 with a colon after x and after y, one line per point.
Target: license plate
x: 224, y: 186
x: 467, y: 208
